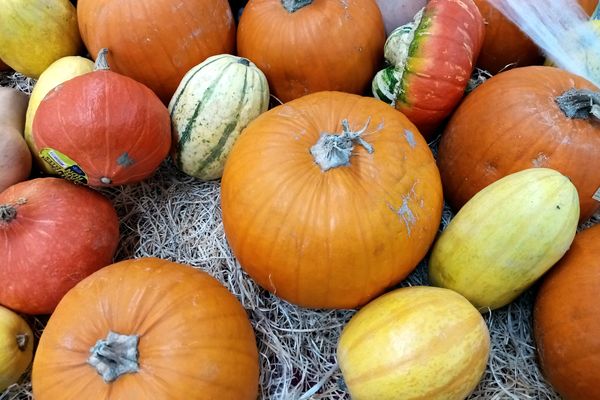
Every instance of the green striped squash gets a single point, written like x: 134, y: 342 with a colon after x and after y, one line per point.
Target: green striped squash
x: 212, y: 105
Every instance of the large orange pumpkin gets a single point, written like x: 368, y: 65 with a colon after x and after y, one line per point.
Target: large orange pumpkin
x: 52, y: 234
x: 157, y: 42
x: 329, y: 199
x: 147, y: 329
x: 505, y: 45
x: 521, y: 119
x: 567, y: 323
x: 102, y: 129
x: 305, y: 46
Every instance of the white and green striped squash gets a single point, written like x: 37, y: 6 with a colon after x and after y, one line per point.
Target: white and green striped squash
x: 214, y: 102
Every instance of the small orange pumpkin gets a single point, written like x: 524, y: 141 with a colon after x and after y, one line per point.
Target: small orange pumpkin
x: 331, y: 198
x: 147, y: 329
x: 566, y: 323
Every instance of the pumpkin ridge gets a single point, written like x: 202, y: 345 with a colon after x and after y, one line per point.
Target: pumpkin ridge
x: 217, y: 150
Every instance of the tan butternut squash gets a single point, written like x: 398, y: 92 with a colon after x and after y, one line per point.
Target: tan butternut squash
x: 15, y: 157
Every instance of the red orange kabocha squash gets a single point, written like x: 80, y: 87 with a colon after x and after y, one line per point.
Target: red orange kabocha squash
x: 329, y: 199
x: 102, y: 128
x: 53, y: 233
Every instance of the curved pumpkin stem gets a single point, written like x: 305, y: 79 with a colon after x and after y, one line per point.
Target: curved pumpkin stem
x: 101, y: 63
x: 114, y: 356
x: 22, y: 341
x: 294, y: 5
x: 580, y: 103
x: 333, y: 150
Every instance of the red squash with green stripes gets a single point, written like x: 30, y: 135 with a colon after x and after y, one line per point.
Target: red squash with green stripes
x: 430, y: 62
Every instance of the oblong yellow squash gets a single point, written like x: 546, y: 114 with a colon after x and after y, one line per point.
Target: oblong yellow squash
x: 417, y: 342
x: 16, y: 347
x: 59, y: 71
x: 506, y: 237
x: 35, y: 33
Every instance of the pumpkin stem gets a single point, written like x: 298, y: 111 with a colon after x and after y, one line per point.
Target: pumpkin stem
x: 580, y: 103
x: 114, y: 356
x: 22, y: 340
x: 101, y: 61
x: 244, y: 61
x: 294, y: 5
x: 8, y: 212
x: 333, y: 150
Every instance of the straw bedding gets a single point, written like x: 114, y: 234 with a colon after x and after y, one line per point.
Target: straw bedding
x: 176, y: 217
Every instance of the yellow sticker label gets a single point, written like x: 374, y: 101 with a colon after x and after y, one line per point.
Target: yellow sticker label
x: 596, y: 195
x: 63, y: 165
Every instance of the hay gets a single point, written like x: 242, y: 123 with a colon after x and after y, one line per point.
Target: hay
x: 178, y: 218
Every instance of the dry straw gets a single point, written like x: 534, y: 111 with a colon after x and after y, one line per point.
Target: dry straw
x: 178, y: 218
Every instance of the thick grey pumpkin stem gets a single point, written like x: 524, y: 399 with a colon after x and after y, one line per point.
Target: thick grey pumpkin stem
x: 22, y: 341
x: 294, y: 5
x: 101, y: 61
x: 8, y: 212
x: 580, y: 103
x: 114, y: 356
x: 333, y: 150
x: 244, y: 61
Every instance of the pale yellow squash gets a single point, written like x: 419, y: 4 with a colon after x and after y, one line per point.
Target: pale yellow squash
x: 418, y: 343
x: 35, y: 33
x: 16, y: 347
x: 59, y: 71
x: 506, y: 237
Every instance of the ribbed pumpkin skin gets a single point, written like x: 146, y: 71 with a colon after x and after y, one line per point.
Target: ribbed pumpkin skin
x: 195, y: 339
x: 61, y: 233
x: 157, y: 42
x: 439, y: 63
x: 506, y: 237
x: 213, y: 103
x: 566, y: 322
x: 58, y: 72
x: 326, y: 45
x: 115, y: 128
x: 35, y: 33
x: 511, y: 122
x: 505, y: 46
x: 418, y: 343
x: 338, y: 238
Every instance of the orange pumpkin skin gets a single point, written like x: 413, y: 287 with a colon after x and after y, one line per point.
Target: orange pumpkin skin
x: 195, y: 339
x: 157, y: 42
x: 114, y: 128
x: 59, y: 234
x: 325, y: 45
x: 512, y: 122
x: 335, y: 238
x: 505, y: 46
x: 566, y: 323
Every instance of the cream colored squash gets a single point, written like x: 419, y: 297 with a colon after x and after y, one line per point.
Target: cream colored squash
x: 35, y: 33
x: 59, y: 71
x: 506, y: 237
x: 16, y: 347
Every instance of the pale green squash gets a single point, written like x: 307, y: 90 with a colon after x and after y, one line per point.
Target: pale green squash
x: 214, y: 102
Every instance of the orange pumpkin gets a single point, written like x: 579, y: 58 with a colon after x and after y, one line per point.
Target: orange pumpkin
x: 521, y: 119
x: 157, y: 42
x: 566, y: 323
x: 305, y: 46
x: 102, y: 129
x: 330, y: 199
x: 505, y: 45
x: 52, y: 235
x: 147, y: 329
